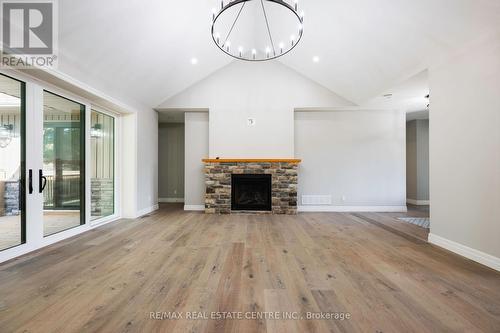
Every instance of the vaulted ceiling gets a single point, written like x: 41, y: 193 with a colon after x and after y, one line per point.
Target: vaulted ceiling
x: 141, y: 50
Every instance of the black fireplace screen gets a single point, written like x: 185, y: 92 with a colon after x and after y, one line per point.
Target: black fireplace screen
x: 251, y: 192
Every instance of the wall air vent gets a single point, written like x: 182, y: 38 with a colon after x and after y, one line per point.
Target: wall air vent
x: 317, y: 200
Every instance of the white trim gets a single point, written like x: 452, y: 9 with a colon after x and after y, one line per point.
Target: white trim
x: 27, y: 77
x: 147, y: 210
x: 465, y: 251
x: 374, y: 209
x: 194, y: 207
x: 171, y: 200
x: 418, y: 202
x: 70, y: 84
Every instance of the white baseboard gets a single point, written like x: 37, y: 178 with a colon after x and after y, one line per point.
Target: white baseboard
x: 147, y: 210
x: 352, y: 209
x: 171, y: 200
x: 465, y: 251
x: 418, y: 202
x: 194, y: 207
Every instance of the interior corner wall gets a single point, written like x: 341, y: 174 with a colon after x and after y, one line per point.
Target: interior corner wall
x: 196, y: 148
x: 356, y: 157
x: 147, y: 161
x: 465, y: 152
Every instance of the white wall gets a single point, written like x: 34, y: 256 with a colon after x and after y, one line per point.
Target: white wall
x: 139, y: 156
x: 358, y: 155
x: 171, y: 162
x: 128, y: 154
x: 147, y: 161
x: 268, y: 92
x: 465, y: 153
x: 196, y: 148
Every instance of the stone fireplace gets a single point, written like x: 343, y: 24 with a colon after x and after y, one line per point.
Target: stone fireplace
x: 251, y: 186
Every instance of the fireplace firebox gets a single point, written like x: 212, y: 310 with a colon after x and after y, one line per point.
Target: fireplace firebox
x: 251, y: 192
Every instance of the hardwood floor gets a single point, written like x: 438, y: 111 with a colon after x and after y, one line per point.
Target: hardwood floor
x: 111, y: 278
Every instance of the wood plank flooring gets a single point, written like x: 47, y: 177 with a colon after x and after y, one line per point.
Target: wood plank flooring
x: 358, y: 265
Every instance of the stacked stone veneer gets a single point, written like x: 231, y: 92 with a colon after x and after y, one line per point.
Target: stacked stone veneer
x: 218, y: 185
x: 11, y: 198
x: 102, y: 197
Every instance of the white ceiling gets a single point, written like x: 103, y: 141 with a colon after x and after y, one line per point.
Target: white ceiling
x: 409, y: 96
x: 141, y: 51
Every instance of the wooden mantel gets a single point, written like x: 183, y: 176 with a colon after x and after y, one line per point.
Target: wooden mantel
x: 251, y: 160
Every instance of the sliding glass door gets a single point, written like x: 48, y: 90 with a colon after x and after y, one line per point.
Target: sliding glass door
x: 42, y: 164
x: 12, y: 163
x: 63, y: 172
x: 57, y: 166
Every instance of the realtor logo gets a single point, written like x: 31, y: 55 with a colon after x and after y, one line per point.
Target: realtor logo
x: 28, y: 33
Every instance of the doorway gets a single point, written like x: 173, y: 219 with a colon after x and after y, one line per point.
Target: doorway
x: 417, y: 169
x: 171, y: 156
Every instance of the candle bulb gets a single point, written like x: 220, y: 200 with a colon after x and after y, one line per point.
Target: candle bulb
x: 213, y: 13
x: 292, y: 39
x: 217, y: 37
x: 254, y: 52
x: 228, y: 46
x: 281, y: 47
x: 222, y: 4
x: 240, y: 50
x: 267, y: 51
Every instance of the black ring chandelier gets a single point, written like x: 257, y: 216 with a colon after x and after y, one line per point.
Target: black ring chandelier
x: 272, y: 51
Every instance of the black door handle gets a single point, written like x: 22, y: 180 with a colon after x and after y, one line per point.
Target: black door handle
x: 42, y: 181
x: 30, y: 182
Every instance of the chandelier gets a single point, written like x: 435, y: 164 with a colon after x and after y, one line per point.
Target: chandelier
x: 257, y: 30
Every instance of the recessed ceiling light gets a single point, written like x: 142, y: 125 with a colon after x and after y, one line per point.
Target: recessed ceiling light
x: 194, y: 61
x: 316, y: 59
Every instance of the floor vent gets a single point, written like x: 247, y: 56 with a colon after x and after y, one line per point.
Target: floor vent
x: 317, y: 200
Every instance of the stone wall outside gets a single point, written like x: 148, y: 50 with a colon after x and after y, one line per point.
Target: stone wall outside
x: 11, y: 193
x: 102, y: 197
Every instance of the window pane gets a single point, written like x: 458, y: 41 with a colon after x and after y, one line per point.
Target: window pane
x: 63, y: 163
x: 102, y: 134
x: 11, y: 162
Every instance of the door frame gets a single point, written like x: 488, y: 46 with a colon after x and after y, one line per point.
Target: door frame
x: 34, y: 239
